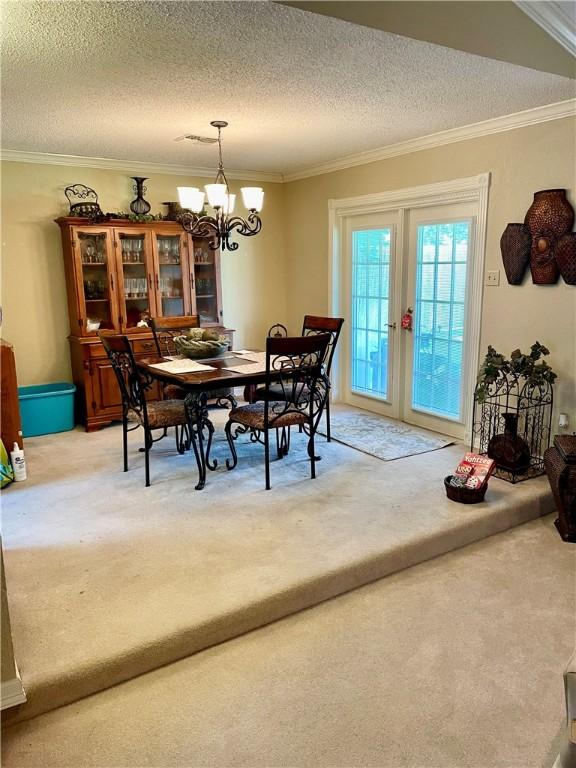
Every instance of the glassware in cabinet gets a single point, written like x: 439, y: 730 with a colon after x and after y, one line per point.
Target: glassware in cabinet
x: 207, y: 282
x: 172, y: 290
x: 96, y: 282
x: 136, y: 289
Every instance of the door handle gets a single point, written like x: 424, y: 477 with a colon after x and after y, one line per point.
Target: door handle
x: 391, y: 325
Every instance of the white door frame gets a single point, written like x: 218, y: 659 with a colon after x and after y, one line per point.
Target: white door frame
x: 469, y: 189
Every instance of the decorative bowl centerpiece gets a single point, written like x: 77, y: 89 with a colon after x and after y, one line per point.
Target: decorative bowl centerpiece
x: 198, y: 343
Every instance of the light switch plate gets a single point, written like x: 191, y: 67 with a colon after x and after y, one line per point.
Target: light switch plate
x: 492, y: 277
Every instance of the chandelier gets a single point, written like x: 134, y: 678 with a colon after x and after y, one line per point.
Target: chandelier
x: 219, y: 227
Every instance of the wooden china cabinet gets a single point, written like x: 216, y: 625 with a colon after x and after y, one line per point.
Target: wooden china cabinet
x: 118, y: 274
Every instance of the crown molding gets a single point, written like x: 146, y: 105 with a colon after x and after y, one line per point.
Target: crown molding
x: 131, y: 166
x: 522, y: 119
x: 475, y: 130
x: 554, y: 19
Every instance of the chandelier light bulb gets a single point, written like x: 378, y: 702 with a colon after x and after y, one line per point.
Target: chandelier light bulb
x: 191, y: 198
x: 253, y: 198
x: 217, y: 194
x: 229, y: 203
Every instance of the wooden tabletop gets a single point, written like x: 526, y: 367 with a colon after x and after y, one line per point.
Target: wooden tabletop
x: 205, y: 380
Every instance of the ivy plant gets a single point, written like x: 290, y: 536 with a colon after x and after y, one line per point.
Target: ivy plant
x: 527, y: 366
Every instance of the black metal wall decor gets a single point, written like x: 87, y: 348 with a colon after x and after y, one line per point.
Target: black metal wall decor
x: 83, y: 201
x: 512, y: 423
x: 140, y: 206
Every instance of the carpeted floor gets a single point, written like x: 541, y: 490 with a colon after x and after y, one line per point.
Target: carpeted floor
x: 456, y: 663
x: 108, y: 579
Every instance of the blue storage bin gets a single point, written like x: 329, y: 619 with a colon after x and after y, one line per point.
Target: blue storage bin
x: 46, y: 408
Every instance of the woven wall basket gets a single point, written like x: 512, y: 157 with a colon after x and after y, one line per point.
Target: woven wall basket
x: 543, y: 267
x: 565, y: 253
x: 551, y: 212
x: 515, y: 246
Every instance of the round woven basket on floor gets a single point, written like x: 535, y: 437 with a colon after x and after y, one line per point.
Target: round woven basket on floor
x: 464, y: 495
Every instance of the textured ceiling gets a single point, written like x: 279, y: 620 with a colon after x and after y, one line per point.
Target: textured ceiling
x: 122, y: 79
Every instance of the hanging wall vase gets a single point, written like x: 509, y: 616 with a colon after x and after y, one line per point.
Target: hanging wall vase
x: 509, y: 450
x: 515, y: 246
x: 139, y: 206
x: 566, y: 257
x: 550, y: 212
x: 542, y: 261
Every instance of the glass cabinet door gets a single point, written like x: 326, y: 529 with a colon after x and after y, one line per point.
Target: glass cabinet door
x: 172, y: 274
x: 96, y: 280
x: 207, y: 282
x: 136, y: 289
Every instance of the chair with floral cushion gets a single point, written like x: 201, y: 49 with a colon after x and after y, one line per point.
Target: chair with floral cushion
x: 312, y: 325
x: 294, y: 368
x: 150, y: 415
x: 164, y: 330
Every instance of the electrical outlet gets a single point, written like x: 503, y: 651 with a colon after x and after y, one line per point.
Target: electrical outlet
x: 492, y: 277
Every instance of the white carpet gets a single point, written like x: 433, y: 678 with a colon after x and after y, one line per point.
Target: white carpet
x: 108, y: 579
x: 456, y: 663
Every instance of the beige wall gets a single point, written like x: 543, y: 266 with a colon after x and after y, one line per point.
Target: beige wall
x: 520, y: 162
x: 282, y: 273
x: 35, y: 316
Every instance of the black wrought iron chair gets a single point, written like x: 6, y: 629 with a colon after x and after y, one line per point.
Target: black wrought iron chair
x: 293, y: 367
x: 150, y: 415
x: 164, y: 330
x: 313, y: 325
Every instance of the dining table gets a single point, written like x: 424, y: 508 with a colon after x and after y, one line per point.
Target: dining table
x: 205, y: 380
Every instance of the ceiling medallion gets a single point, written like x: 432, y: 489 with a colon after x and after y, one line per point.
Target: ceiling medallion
x: 222, y: 224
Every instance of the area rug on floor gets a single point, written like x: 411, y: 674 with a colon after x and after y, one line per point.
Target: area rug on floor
x: 385, y: 438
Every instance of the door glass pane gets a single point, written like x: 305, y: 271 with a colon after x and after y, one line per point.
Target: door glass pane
x: 442, y: 254
x: 370, y: 296
x: 134, y: 262
x: 205, y: 281
x: 94, y: 259
x: 170, y: 282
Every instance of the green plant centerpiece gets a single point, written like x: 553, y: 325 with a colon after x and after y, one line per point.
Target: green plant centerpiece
x: 530, y: 367
x: 198, y: 343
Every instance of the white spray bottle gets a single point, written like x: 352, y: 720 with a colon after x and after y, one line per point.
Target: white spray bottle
x: 18, y: 463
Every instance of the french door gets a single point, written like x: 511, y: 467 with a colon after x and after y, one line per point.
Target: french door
x: 411, y: 259
x: 371, y: 343
x: 437, y: 389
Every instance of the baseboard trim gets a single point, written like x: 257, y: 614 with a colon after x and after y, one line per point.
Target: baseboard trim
x: 12, y: 692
